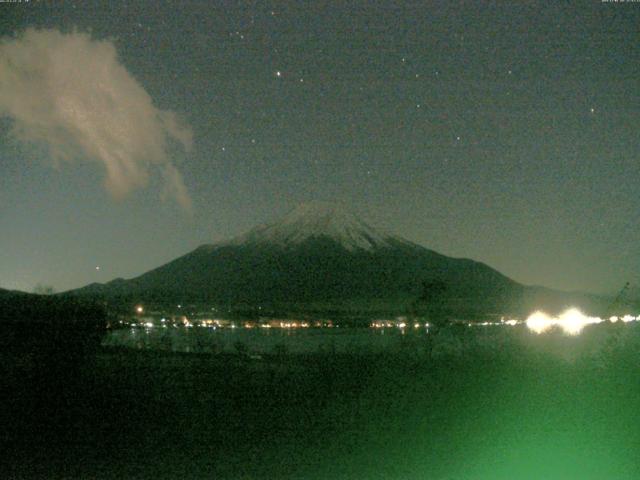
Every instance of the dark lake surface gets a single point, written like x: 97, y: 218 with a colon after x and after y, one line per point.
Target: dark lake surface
x: 263, y: 340
x: 494, y: 403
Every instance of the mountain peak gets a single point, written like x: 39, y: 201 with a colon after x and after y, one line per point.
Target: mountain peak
x: 313, y: 220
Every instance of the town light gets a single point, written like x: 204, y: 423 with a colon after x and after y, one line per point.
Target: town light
x: 571, y: 321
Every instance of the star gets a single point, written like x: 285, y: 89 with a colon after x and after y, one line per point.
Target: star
x: 593, y: 110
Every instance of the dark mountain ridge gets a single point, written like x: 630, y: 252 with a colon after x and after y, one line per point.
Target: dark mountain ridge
x: 50, y: 324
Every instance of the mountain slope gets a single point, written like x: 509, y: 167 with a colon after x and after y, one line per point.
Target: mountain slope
x: 322, y: 258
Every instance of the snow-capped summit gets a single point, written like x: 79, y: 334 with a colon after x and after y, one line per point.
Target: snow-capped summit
x: 314, y: 220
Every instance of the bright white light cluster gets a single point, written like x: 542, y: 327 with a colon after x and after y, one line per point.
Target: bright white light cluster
x: 571, y: 321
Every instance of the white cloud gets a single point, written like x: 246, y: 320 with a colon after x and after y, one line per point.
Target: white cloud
x: 71, y: 93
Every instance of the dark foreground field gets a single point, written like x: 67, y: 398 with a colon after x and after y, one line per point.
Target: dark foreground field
x: 501, y: 405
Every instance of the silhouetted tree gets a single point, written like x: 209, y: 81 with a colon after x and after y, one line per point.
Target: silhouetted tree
x: 430, y: 301
x: 44, y: 289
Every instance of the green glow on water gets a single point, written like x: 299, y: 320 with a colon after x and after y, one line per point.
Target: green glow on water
x: 473, y: 404
x: 526, y: 415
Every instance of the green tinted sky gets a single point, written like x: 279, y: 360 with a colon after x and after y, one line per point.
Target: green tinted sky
x: 505, y: 132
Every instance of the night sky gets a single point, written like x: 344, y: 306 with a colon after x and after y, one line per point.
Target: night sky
x: 131, y: 133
